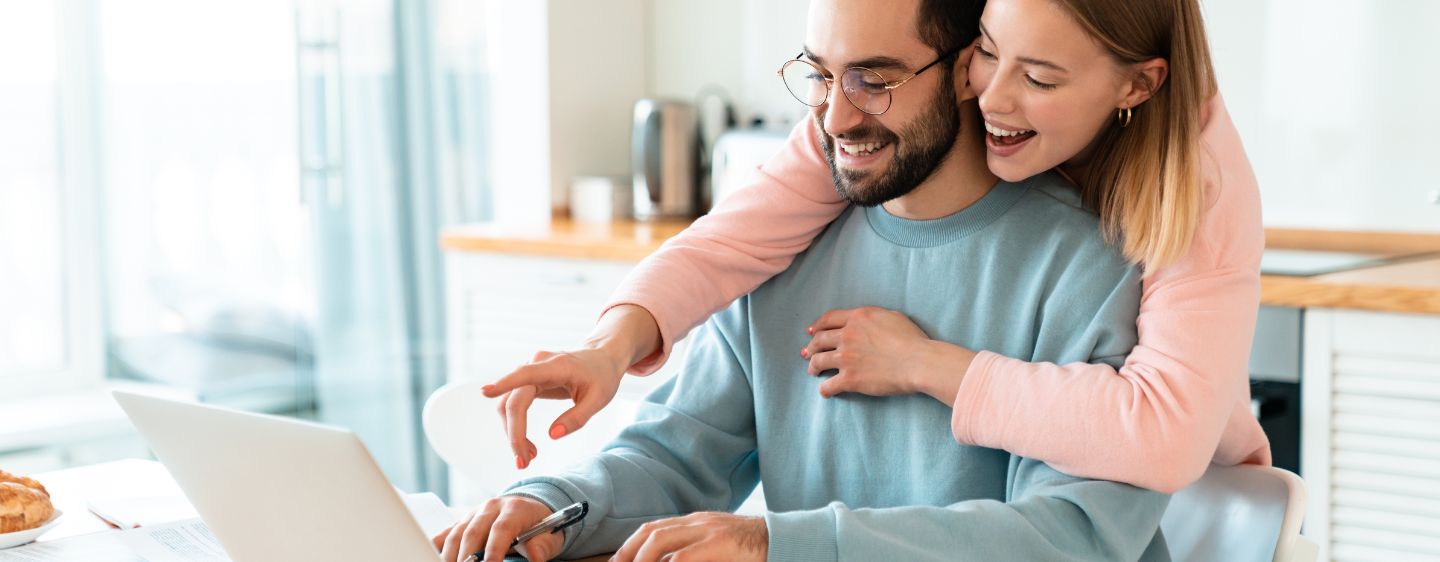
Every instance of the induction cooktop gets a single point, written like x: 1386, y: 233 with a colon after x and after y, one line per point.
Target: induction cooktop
x: 1307, y: 263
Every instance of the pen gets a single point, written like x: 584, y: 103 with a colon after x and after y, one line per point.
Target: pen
x: 555, y: 522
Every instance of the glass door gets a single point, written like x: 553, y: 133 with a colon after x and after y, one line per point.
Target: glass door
x: 275, y: 176
x: 205, y: 241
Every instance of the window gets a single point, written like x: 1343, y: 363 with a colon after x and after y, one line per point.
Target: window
x: 205, y: 240
x: 48, y: 317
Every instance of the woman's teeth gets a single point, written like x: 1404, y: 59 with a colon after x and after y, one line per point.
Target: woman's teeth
x: 997, y: 131
x: 863, y: 149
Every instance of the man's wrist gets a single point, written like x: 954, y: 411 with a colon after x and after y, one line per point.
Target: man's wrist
x: 757, y: 540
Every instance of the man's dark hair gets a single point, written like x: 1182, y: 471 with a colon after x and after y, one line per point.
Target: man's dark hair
x: 946, y: 25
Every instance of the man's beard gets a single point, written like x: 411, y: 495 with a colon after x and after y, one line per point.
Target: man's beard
x: 919, y: 148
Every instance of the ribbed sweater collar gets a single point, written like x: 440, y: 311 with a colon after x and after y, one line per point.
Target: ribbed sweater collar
x: 950, y: 228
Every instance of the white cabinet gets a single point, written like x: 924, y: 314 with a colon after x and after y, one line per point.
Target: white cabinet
x: 502, y: 309
x: 1370, y: 443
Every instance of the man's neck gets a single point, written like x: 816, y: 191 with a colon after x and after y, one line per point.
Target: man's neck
x: 958, y: 182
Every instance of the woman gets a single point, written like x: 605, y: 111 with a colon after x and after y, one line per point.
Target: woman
x: 1117, y: 95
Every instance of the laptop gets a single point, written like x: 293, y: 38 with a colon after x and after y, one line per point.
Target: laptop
x: 276, y: 489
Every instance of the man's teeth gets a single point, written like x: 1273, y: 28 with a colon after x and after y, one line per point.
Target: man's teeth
x: 862, y: 149
x: 997, y: 131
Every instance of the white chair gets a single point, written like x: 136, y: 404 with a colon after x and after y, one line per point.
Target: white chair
x: 464, y: 428
x: 1239, y: 513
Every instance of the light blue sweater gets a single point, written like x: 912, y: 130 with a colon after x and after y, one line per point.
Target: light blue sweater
x: 1022, y: 272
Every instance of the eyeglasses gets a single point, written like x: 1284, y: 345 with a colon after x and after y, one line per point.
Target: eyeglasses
x: 864, y: 88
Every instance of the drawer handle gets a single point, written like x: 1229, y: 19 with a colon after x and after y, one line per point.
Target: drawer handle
x: 564, y: 279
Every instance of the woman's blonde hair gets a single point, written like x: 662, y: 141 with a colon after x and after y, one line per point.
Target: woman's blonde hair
x: 1144, y: 179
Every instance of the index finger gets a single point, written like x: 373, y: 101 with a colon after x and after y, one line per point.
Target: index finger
x: 833, y: 319
x: 473, y: 535
x: 503, y: 534
x: 539, y: 375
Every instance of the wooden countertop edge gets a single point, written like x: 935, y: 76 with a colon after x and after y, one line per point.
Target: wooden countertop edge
x: 1303, y: 292
x: 1352, y: 241
x: 1347, y: 290
x: 609, y: 251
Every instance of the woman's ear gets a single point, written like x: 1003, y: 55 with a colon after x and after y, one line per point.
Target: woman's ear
x: 963, y: 91
x: 1145, y: 79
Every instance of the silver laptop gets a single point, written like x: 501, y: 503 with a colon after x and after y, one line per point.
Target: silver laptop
x: 276, y: 489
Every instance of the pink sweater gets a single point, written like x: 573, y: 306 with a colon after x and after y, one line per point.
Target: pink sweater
x: 1181, y: 399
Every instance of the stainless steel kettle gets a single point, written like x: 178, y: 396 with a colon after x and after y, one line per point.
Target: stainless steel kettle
x: 665, y: 159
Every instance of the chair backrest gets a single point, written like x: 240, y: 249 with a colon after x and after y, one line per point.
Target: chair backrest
x: 1239, y: 513
x: 464, y: 428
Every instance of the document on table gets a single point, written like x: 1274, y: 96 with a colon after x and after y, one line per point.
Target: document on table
x: 129, y: 513
x: 183, y: 541
x: 102, y: 547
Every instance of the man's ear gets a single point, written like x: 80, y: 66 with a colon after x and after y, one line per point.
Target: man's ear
x: 1145, y: 79
x: 963, y: 92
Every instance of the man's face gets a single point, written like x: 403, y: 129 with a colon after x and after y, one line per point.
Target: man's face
x: 876, y: 158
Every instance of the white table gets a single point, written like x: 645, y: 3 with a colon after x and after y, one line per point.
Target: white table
x: 71, y: 488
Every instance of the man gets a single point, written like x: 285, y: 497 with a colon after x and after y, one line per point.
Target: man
x: 1019, y: 269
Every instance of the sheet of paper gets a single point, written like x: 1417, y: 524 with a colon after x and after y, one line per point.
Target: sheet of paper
x: 128, y: 513
x: 430, y: 512
x: 185, y: 541
x: 97, y: 547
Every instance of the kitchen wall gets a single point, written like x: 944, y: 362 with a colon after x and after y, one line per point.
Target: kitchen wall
x: 736, y: 45
x: 1333, y: 98
x: 1335, y: 102
x: 598, y: 69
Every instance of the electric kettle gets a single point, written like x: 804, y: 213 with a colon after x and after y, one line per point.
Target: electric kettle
x: 665, y: 159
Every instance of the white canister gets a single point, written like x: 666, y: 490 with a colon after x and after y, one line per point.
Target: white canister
x: 599, y: 199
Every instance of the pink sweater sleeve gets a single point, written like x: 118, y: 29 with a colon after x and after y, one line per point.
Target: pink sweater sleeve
x: 751, y: 236
x: 1181, y: 399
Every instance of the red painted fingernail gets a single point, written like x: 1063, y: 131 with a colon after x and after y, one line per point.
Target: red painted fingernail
x: 805, y: 352
x: 810, y: 330
x: 519, y: 462
x: 557, y: 431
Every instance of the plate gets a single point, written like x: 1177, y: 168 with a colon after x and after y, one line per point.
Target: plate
x: 18, y: 538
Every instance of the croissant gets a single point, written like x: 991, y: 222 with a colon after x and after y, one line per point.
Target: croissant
x: 23, y: 481
x: 24, y: 503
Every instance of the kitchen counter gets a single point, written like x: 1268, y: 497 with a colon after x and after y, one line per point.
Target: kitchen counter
x: 563, y: 238
x: 1410, y: 285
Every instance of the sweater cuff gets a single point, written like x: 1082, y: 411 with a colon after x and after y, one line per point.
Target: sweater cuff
x: 802, y: 536
x: 971, y: 398
x: 554, y: 498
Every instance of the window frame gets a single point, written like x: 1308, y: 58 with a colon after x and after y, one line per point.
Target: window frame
x: 78, y: 157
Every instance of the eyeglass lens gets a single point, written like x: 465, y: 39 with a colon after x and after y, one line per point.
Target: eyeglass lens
x: 862, y: 87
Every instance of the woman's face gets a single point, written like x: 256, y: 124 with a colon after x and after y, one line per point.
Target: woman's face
x: 1046, y: 87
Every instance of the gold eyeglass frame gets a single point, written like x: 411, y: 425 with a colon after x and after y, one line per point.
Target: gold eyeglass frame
x: 830, y: 81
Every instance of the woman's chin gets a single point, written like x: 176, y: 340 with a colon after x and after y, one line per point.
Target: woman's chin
x: 1008, y: 171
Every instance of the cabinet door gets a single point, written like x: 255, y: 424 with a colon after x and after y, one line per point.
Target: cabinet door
x: 505, y: 308
x: 502, y: 309
x: 1372, y: 434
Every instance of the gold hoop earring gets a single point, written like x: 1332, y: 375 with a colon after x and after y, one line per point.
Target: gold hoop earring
x: 1123, y: 115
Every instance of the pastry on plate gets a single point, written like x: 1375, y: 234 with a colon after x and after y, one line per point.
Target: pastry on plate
x: 24, y: 503
x: 23, y: 481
